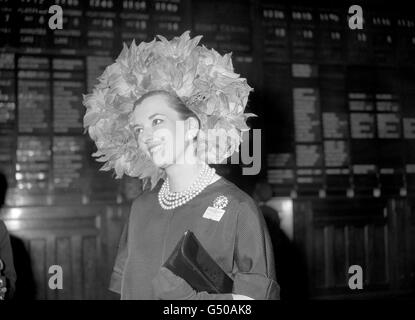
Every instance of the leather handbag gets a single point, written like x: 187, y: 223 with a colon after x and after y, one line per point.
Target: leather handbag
x: 190, y: 261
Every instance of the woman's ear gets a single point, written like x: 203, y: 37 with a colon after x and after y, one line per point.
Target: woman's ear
x: 192, y: 128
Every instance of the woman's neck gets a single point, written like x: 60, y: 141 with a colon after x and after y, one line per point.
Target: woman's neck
x: 182, y: 176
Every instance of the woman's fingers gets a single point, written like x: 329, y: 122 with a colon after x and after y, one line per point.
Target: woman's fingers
x: 240, y: 297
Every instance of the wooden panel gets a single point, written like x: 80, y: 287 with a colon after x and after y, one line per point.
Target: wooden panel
x: 318, y: 265
x: 63, y: 258
x: 81, y: 239
x: 357, y: 247
x: 77, y: 276
x: 328, y: 256
x: 339, y: 257
x: 91, y: 273
x: 372, y: 235
x: 38, y: 260
x: 377, y: 256
x: 50, y: 261
x: 412, y: 252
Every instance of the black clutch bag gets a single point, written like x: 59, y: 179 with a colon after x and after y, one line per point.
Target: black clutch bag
x: 190, y: 261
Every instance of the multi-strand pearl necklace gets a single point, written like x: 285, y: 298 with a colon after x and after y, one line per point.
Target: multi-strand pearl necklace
x: 169, y: 200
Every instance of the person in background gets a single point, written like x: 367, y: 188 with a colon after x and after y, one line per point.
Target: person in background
x: 290, y: 266
x: 7, y: 287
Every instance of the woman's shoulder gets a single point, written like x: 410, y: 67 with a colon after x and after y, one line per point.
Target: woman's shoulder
x: 242, y: 206
x: 3, y: 232
x: 235, y: 195
x: 3, y: 228
x: 147, y: 197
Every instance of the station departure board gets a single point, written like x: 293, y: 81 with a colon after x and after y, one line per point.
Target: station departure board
x: 341, y: 102
x: 337, y: 104
x: 43, y: 73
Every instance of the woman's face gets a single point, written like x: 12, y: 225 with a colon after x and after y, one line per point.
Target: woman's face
x: 159, y: 130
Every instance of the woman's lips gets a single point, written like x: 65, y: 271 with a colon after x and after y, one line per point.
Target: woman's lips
x: 154, y: 148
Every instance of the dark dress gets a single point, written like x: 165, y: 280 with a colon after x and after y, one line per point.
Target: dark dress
x: 239, y: 242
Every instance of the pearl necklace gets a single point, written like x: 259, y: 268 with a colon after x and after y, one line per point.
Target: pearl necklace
x: 169, y: 200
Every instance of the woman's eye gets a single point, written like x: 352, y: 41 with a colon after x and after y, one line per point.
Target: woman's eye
x: 157, y: 122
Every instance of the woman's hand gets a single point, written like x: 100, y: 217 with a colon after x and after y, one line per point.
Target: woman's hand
x: 168, y: 286
x: 240, y: 297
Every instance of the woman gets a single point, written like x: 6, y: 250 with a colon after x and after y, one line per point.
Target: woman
x: 162, y: 112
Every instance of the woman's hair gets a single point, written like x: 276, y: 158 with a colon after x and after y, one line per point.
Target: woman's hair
x: 173, y: 101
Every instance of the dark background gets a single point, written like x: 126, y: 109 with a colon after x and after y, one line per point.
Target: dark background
x: 335, y: 105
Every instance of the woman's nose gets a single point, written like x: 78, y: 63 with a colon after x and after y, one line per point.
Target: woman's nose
x: 147, y: 134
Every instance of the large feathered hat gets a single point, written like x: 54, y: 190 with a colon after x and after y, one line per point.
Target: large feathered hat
x: 202, y: 78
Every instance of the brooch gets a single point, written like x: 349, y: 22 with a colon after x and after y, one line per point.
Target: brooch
x: 217, y: 210
x: 220, y: 202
